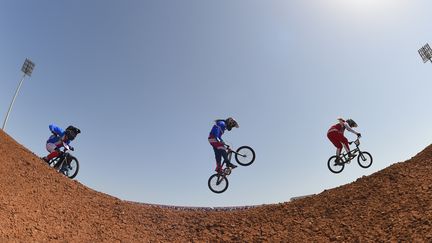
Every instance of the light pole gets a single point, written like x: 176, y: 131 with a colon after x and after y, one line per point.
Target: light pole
x: 27, y: 69
x: 426, y: 53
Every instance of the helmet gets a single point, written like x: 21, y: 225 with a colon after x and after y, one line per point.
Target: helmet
x: 230, y: 123
x: 351, y: 123
x: 71, y: 132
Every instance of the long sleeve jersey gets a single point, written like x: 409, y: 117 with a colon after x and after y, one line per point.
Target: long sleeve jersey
x: 58, y: 137
x: 215, y: 136
x: 340, y: 127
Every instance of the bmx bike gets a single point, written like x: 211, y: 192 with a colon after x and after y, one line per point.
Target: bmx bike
x: 65, y: 163
x: 244, y: 156
x: 364, y: 159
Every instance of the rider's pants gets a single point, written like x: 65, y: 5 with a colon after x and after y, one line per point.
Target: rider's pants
x: 338, y: 140
x: 219, y: 154
x: 54, y: 151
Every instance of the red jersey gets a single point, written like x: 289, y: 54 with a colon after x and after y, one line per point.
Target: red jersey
x: 337, y: 128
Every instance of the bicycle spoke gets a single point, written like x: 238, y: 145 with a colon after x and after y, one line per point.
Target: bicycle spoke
x: 219, y: 180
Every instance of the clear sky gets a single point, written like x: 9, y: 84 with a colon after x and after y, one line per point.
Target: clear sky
x: 144, y: 81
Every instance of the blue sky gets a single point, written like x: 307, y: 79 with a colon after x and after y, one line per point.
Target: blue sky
x: 144, y: 81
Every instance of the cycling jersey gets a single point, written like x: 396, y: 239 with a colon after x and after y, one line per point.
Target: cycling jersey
x: 215, y: 136
x: 58, y: 137
x: 340, y: 127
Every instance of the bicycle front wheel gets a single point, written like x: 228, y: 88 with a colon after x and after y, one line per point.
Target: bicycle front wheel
x: 364, y: 159
x: 245, y: 155
x: 218, y: 183
x: 333, y: 166
x: 70, y: 168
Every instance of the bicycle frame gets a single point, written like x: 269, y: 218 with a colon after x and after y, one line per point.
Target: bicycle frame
x: 230, y: 152
x: 227, y: 170
x: 344, y: 156
x: 62, y: 158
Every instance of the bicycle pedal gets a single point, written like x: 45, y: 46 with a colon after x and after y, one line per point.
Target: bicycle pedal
x: 227, y: 171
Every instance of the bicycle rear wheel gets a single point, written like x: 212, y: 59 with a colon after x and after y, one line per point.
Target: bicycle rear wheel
x: 245, y: 155
x: 333, y: 167
x: 70, y: 168
x: 364, y: 159
x: 218, y: 183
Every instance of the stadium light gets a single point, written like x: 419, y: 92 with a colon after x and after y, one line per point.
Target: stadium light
x: 425, y: 53
x: 27, y: 69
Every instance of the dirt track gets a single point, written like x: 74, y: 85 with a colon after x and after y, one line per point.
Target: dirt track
x: 38, y: 204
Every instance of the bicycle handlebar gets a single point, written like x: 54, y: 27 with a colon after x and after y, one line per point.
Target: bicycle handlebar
x: 67, y: 147
x: 358, y: 139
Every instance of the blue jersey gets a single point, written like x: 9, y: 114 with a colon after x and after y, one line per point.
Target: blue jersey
x: 58, y: 137
x: 215, y: 136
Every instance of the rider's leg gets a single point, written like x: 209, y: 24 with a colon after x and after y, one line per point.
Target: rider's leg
x: 346, y: 146
x: 224, y: 154
x: 338, y: 152
x: 334, y: 137
x: 218, y: 158
x: 54, y: 152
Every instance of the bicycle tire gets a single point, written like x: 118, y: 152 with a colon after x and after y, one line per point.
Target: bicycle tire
x: 362, y: 159
x: 74, y: 167
x: 331, y: 164
x: 248, y: 158
x: 218, y: 183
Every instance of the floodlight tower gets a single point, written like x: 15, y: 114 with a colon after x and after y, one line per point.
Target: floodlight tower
x: 426, y: 53
x: 27, y: 69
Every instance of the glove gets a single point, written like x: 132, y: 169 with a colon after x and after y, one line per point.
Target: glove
x: 358, y: 135
x: 71, y: 148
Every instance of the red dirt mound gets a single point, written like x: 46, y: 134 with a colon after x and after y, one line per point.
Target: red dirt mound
x: 38, y: 204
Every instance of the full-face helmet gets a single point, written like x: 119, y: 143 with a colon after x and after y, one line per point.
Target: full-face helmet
x: 71, y: 132
x: 351, y: 123
x: 230, y: 123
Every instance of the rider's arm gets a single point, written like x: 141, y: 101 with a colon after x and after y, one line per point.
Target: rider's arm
x: 350, y: 129
x: 69, y: 146
x: 218, y: 135
x: 56, y: 130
